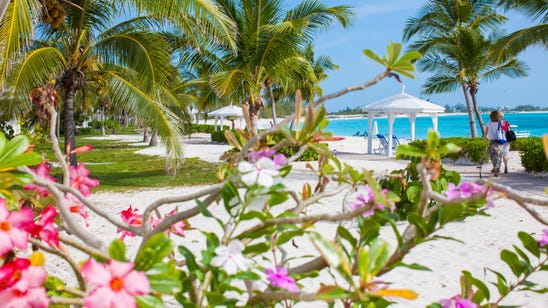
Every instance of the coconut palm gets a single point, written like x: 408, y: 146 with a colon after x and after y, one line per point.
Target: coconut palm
x: 465, y: 64
x: 268, y: 48
x: 519, y: 40
x: 438, y: 25
x: 131, y: 58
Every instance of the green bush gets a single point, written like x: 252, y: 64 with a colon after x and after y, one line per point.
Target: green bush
x: 532, y: 154
x: 472, y: 148
x: 85, y: 131
x: 219, y: 136
x: 205, y: 128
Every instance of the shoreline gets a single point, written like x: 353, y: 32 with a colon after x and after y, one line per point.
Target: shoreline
x: 444, y: 114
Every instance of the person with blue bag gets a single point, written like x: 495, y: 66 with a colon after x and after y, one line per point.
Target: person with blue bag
x: 497, y: 139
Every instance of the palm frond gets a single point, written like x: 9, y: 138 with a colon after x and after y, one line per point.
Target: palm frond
x: 147, y: 107
x: 440, y: 84
x: 16, y: 32
x: 514, y: 43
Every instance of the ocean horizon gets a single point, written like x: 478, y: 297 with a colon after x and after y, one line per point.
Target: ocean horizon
x: 449, y: 124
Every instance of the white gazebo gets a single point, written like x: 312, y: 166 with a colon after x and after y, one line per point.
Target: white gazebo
x: 402, y: 103
x: 230, y: 111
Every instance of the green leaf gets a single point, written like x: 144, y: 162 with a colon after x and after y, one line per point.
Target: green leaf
x: 450, y: 212
x: 190, y: 261
x: 117, y: 250
x: 25, y: 159
x: 328, y: 250
x: 512, y: 260
x: 166, y: 283
x: 345, y: 234
x: 257, y: 248
x: 203, y: 209
x: 379, y: 254
x: 231, y: 197
x: 253, y: 214
x: 529, y: 243
x: 396, y: 232
x: 277, y: 198
x: 149, y: 301
x: 419, y: 222
x: 483, y: 290
x: 288, y: 235
x: 414, y: 266
x: 405, y: 150
x: 364, y: 263
x: 449, y: 148
x: 414, y: 193
x: 501, y: 283
x: 154, y: 250
x: 247, y: 275
x: 524, y: 256
x: 17, y: 145
x: 328, y: 293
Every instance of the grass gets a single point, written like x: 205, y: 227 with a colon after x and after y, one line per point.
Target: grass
x: 119, y: 168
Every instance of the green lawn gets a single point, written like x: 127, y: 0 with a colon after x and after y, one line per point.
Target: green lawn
x: 119, y: 168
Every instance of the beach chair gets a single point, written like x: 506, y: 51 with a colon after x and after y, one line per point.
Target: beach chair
x: 383, y: 145
x: 395, y: 140
x: 357, y: 134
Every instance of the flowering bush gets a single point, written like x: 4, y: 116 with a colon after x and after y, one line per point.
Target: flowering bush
x: 254, y: 252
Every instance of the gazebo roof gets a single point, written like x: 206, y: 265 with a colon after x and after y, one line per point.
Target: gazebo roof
x: 226, y: 111
x: 403, y: 103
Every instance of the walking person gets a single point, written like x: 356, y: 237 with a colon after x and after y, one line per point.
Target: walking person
x: 506, y: 146
x: 493, y: 132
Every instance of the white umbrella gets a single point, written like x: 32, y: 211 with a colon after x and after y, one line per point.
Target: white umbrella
x: 375, y: 128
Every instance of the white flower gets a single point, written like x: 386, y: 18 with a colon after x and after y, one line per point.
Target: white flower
x: 230, y: 258
x: 262, y: 172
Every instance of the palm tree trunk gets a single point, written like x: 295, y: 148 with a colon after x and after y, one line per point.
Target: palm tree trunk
x: 252, y: 117
x: 145, y: 135
x: 272, y: 103
x: 476, y: 110
x: 473, y: 128
x: 153, y: 139
x: 70, y: 127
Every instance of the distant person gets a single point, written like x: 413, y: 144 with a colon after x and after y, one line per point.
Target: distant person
x: 495, y: 146
x: 506, y: 146
x: 233, y: 124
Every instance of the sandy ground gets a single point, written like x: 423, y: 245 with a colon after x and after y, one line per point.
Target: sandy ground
x: 482, y: 236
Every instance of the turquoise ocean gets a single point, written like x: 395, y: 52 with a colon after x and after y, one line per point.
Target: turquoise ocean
x: 449, y: 125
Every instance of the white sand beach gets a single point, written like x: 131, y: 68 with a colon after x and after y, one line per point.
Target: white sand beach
x: 482, y: 236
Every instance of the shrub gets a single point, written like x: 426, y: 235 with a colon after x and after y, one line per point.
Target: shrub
x: 472, y: 148
x: 85, y: 131
x: 219, y: 136
x: 532, y: 154
x: 205, y: 128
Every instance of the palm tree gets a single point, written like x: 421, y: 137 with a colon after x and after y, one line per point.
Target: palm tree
x: 132, y: 57
x: 465, y: 64
x: 268, y: 48
x: 519, y: 40
x: 438, y: 24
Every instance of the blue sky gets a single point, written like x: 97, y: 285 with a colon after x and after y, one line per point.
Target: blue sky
x: 376, y: 23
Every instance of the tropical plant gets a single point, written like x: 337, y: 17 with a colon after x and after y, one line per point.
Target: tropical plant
x: 465, y: 62
x: 129, y: 62
x: 438, y: 24
x: 519, y: 40
x: 269, y: 49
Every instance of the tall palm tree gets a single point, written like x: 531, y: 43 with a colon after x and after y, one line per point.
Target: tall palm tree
x: 466, y: 64
x: 133, y: 57
x: 438, y: 24
x: 519, y: 40
x: 268, y: 48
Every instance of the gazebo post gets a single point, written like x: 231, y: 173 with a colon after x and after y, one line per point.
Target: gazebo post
x: 390, y: 132
x: 222, y: 118
x: 412, y: 118
x: 370, y: 117
x: 435, y: 121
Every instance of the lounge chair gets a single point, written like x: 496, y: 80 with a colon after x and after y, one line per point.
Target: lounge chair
x: 395, y: 140
x: 357, y: 134
x: 383, y: 144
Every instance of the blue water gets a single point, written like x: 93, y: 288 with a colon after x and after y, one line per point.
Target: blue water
x: 448, y: 125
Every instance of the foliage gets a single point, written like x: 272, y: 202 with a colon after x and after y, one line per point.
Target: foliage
x: 6, y: 129
x: 473, y: 149
x: 205, y: 128
x: 532, y: 154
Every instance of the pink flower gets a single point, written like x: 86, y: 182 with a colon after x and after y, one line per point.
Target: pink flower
x: 23, y: 288
x: 131, y: 217
x: 79, y: 179
x: 280, y: 279
x: 13, y: 227
x: 279, y: 160
x: 544, y: 239
x: 115, y: 284
x: 42, y: 171
x: 179, y: 227
x: 44, y: 229
x: 365, y: 198
x: 467, y: 189
x: 76, y: 206
x: 82, y: 149
x: 457, y: 302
